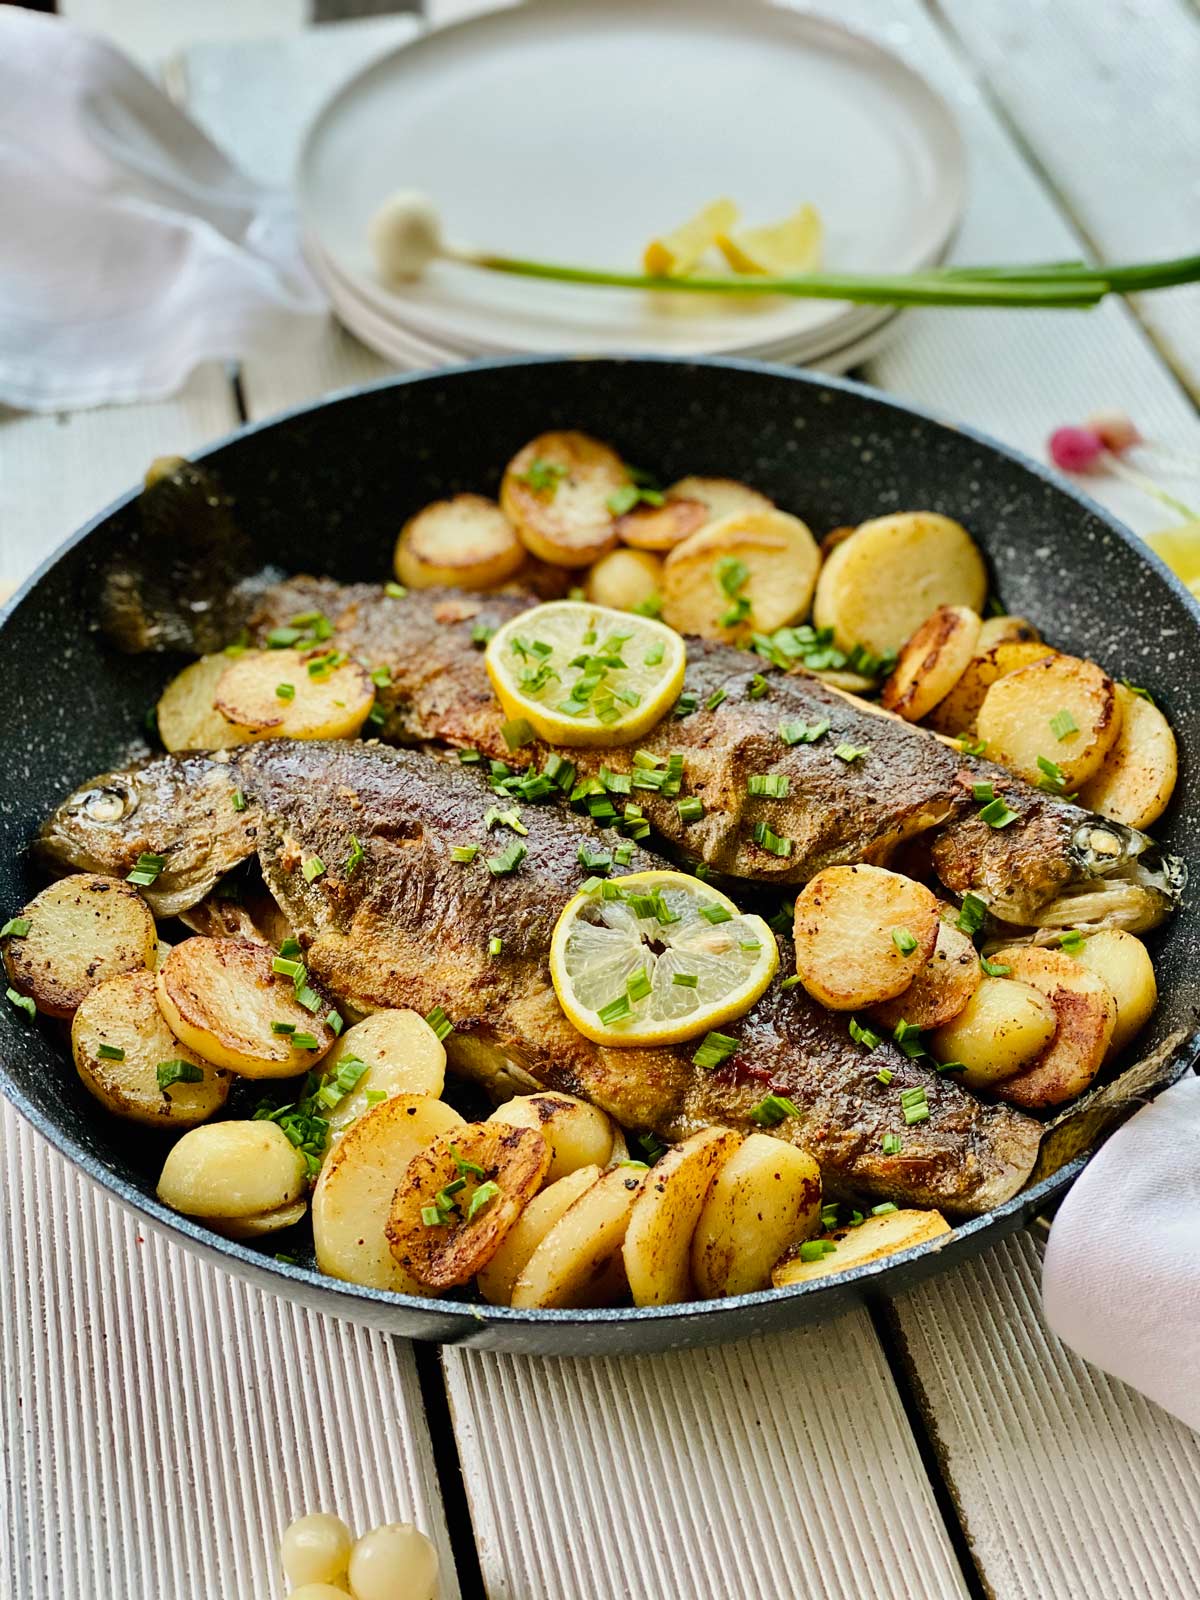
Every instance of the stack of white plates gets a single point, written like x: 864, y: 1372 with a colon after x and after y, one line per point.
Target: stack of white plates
x: 577, y: 130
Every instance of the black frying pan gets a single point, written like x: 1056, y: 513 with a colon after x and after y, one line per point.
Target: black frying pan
x: 326, y: 489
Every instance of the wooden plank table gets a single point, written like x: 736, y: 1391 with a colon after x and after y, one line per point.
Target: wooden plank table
x: 941, y: 1445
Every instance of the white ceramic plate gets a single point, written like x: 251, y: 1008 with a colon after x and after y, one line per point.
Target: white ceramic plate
x: 575, y: 130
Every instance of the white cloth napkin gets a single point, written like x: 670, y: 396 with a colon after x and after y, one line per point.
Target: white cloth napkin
x: 131, y: 249
x: 1121, y: 1280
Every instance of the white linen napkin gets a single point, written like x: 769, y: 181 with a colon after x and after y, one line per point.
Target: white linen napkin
x: 1121, y: 1279
x: 131, y: 249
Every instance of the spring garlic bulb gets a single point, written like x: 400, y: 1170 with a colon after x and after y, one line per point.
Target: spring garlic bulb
x: 405, y: 235
x: 394, y: 1562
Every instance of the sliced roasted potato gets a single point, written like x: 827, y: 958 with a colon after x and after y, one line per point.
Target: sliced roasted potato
x: 720, y: 496
x: 1137, y: 778
x: 1085, y: 1015
x: 1005, y: 630
x: 263, y: 1222
x: 1003, y: 1026
x: 223, y: 999
x: 573, y: 1265
x: 464, y: 543
x: 955, y: 714
x: 1123, y: 965
x: 353, y: 1196
x: 187, y: 716
x: 403, y: 1056
x: 82, y: 930
x: 232, y: 1169
x: 853, y: 929
x: 1016, y: 719
x: 579, y: 1135
x: 556, y: 492
x: 657, y: 1246
x: 662, y: 527
x: 878, y: 587
x: 496, y: 1280
x: 445, y: 1245
x: 854, y: 1247
x: 941, y: 988
x: 766, y: 558
x: 293, y: 694
x: 765, y: 1197
x: 625, y: 579
x: 932, y: 662
x: 119, y: 1040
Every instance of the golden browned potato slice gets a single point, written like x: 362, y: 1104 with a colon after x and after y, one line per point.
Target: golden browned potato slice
x: 187, y: 716
x: 556, y: 493
x: 1061, y: 711
x: 941, y: 987
x: 766, y: 560
x: 263, y: 1222
x: 459, y: 1198
x: 625, y: 579
x: 1085, y: 1016
x: 955, y: 714
x: 403, y: 1056
x: 720, y: 496
x: 353, y: 1197
x: 574, y: 1263
x: 662, y: 527
x: 878, y: 587
x: 232, y: 1169
x: 932, y: 662
x: 119, y: 1041
x: 765, y: 1197
x: 1137, y: 778
x: 464, y: 543
x: 854, y: 1247
x: 862, y: 935
x: 657, y: 1246
x: 1005, y: 630
x: 579, y: 1135
x: 1123, y: 965
x: 1003, y: 1027
x: 496, y: 1280
x: 293, y: 694
x: 225, y: 1001
x: 75, y: 934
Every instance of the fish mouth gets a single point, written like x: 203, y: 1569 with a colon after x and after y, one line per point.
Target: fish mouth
x: 1121, y: 879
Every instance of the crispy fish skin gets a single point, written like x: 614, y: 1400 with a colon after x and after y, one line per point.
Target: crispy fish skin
x: 907, y: 786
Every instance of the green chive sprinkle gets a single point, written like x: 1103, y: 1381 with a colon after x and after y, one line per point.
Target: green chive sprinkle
x: 716, y: 914
x: 508, y: 860
x: 971, y: 747
x: 355, y: 858
x: 715, y: 699
x: 334, y: 1023
x: 998, y: 814
x: 775, y: 785
x: 850, y: 752
x: 691, y: 809
x: 685, y: 980
x: 994, y: 969
x: 440, y: 1023
x: 1072, y: 942
x: 517, y: 732
x: 884, y: 1208
x: 309, y: 999
x: 238, y: 800
x: 757, y: 689
x: 305, y: 1041
x: 110, y: 1052
x: 981, y: 793
x: 283, y: 1027
x: 172, y: 1072
x: 891, y: 1144
x: 1052, y: 776
x: 864, y: 1036
x: 1142, y: 694
x: 972, y: 915
x: 395, y: 591
x: 714, y: 1050
x: 314, y: 868
x: 482, y: 1198
x: 654, y: 655
x: 285, y: 691
x: 685, y: 705
x: 817, y: 1249
x: 495, y: 945
x: 1063, y: 725
x: 904, y: 941
x: 769, y: 840
x: 638, y: 986
x: 790, y: 983
x: 615, y: 1009
x: 290, y: 947
x: 885, y: 1076
x: 147, y: 870
x: 15, y: 928
x: 771, y: 1111
x: 289, y: 968
x: 432, y: 1217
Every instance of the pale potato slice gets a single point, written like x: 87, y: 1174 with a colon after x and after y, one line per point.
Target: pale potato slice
x: 82, y: 930
x: 463, y: 543
x: 441, y: 1253
x: 720, y: 496
x: 625, y: 579
x: 573, y: 1265
x: 854, y: 1247
x: 657, y: 1245
x: 232, y: 1169
x: 765, y: 1197
x: 264, y: 1222
x: 221, y: 997
x: 941, y: 988
x: 1003, y: 1026
x: 1005, y: 630
x: 119, y: 1040
x: 556, y: 494
x: 1123, y: 965
x: 1137, y: 778
x: 294, y: 694
x: 662, y: 527
x: 403, y: 1056
x: 878, y: 587
x: 496, y: 1280
x: 853, y: 928
x: 187, y: 716
x: 1016, y: 719
x: 955, y: 714
x: 766, y: 558
x: 579, y: 1135
x: 353, y: 1196
x: 932, y: 662
x: 1085, y: 1016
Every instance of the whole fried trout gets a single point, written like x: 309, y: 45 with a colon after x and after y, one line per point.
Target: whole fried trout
x: 396, y: 921
x: 1057, y: 865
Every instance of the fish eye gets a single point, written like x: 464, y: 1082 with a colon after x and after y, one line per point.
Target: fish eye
x: 106, y: 803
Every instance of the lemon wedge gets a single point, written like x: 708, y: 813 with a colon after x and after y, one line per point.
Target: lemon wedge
x: 793, y: 245
x: 1179, y: 547
x: 656, y: 958
x: 676, y: 254
x: 585, y: 675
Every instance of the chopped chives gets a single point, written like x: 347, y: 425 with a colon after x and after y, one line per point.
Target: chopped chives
x: 623, y: 854
x: 110, y: 1052
x: 282, y: 638
x: 615, y: 1010
x: 518, y: 731
x: 769, y: 840
x: 469, y: 758
x: 1072, y: 942
x: 908, y: 1036
x: 355, y: 858
x: 884, y: 1208
x: 377, y: 716
x: 781, y: 921
x: 749, y: 945
x: 482, y: 1198
x: 439, y: 1022
x: 716, y: 914
x: 508, y: 860
x: 309, y: 999
x: 1142, y: 694
x: 15, y: 928
x: 885, y: 1076
x: 864, y: 1036
x: 757, y: 689
x: 994, y: 969
x: 616, y: 782
x: 495, y: 945
x: 314, y: 868
x: 685, y: 705
x: 850, y: 752
x: 949, y: 1066
x: 971, y: 747
x: 637, y: 987
x: 283, y: 1027
x: 790, y: 983
x: 305, y: 1041
x: 395, y: 591
x: 685, y: 980
x: 916, y: 1107
x: 594, y: 860
x: 981, y: 793
x: 972, y: 915
x: 238, y: 800
x: 285, y: 691
x: 691, y: 809
x: 802, y: 733
x: 1052, y: 776
x: 891, y: 1144
x: 654, y: 655
x: 817, y: 1249
x: 432, y: 1217
x: 771, y: 1111
x: 651, y: 606
x: 715, y: 1049
x: 464, y: 853
x: 904, y: 941
x: 998, y: 814
x: 172, y: 1072
x: 147, y: 870
x: 1063, y: 725
x: 775, y: 785
x: 731, y: 574
x: 21, y: 1001
x: 290, y: 947
x: 333, y: 1021
x: 381, y: 677
x: 559, y: 771
x: 715, y: 699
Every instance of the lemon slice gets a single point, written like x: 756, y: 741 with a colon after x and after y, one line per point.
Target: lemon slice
x: 657, y: 957
x: 793, y: 245
x: 677, y: 253
x: 1179, y: 547
x: 585, y: 675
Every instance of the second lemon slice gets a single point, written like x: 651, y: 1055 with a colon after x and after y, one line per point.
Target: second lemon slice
x: 656, y: 958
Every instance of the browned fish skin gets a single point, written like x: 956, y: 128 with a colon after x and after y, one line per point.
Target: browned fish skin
x: 907, y: 786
